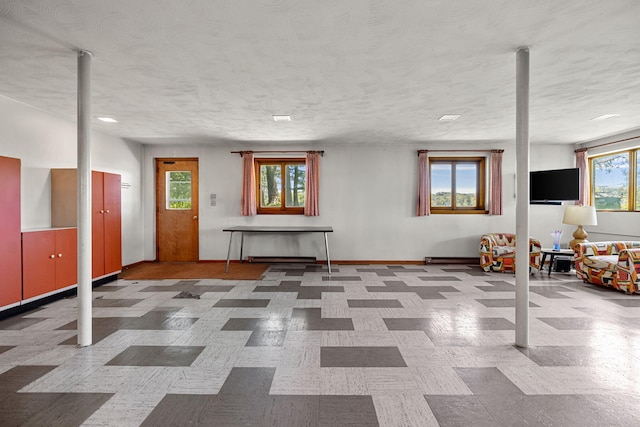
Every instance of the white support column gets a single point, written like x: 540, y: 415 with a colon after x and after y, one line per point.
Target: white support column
x: 84, y: 200
x: 522, y: 202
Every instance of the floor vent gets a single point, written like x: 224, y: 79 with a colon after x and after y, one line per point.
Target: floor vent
x: 452, y: 260
x: 281, y: 259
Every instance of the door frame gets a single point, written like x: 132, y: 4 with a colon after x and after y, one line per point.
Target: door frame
x: 156, y: 162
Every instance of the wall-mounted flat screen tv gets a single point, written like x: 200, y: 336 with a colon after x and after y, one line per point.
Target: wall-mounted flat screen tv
x: 554, y: 186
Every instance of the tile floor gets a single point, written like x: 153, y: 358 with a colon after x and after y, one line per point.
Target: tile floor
x: 370, y: 345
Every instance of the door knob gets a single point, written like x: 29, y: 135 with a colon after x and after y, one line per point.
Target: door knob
x: 195, y: 217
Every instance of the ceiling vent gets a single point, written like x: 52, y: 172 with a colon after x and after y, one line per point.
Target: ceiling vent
x: 605, y: 117
x: 449, y: 117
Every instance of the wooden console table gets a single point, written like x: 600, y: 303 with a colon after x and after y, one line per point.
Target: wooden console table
x: 277, y: 230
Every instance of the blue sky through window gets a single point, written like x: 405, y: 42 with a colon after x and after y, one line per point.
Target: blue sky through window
x: 614, y: 171
x: 466, y: 175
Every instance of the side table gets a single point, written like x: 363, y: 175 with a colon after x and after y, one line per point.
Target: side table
x: 552, y: 254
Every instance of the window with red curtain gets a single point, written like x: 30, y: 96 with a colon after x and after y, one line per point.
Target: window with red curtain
x: 248, y: 204
x: 281, y: 186
x: 424, y: 201
x: 457, y: 184
x: 312, y: 198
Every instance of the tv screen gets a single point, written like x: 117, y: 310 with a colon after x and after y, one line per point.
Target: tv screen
x: 555, y: 185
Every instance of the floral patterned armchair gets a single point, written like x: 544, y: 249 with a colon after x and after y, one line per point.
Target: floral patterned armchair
x: 498, y: 252
x: 615, y: 264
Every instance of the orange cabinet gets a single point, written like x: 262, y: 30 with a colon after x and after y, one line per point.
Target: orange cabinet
x: 10, y: 273
x: 106, y: 222
x: 49, y: 261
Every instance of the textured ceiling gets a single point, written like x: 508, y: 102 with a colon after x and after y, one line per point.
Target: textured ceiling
x: 347, y: 71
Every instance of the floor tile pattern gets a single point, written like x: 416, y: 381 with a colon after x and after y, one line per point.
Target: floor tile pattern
x: 367, y: 345
x: 303, y: 292
x: 156, y: 355
x: 244, y: 399
x: 361, y: 357
x: 424, y: 292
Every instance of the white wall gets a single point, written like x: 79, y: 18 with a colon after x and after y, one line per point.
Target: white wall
x: 43, y: 142
x: 368, y: 195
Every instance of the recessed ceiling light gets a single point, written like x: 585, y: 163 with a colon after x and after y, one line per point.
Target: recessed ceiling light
x: 281, y: 118
x: 605, y: 116
x: 107, y: 120
x: 449, y: 117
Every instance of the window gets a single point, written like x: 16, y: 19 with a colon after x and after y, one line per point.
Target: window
x: 637, y: 180
x: 457, y: 185
x: 280, y: 185
x: 179, y: 190
x: 615, y: 182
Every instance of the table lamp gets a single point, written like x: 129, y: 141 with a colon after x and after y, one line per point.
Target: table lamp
x: 579, y: 215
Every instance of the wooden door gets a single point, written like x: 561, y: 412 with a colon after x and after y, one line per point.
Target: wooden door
x: 10, y: 262
x: 38, y: 263
x: 112, y: 223
x: 97, y: 223
x: 177, y: 210
x: 66, y: 257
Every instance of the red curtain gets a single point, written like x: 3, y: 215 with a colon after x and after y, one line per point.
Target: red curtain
x: 312, y: 195
x: 424, y: 187
x: 583, y: 164
x: 248, y: 184
x: 495, y: 172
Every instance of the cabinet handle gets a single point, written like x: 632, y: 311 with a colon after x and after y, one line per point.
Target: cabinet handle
x: 107, y: 210
x: 52, y: 256
x: 101, y: 211
x: 59, y: 255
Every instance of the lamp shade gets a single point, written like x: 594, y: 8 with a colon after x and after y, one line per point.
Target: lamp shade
x: 580, y: 215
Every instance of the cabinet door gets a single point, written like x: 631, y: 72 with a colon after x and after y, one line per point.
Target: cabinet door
x: 112, y: 223
x: 97, y: 223
x: 66, y: 257
x: 38, y: 263
x: 64, y: 198
x: 11, y: 280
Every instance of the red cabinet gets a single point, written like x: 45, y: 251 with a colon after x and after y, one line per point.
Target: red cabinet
x: 49, y: 261
x: 10, y: 273
x: 66, y: 257
x: 106, y: 222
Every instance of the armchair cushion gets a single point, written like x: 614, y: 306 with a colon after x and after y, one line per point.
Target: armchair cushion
x: 498, y: 251
x: 603, y: 262
x: 615, y: 264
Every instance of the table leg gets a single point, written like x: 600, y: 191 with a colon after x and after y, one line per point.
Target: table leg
x: 226, y: 270
x: 326, y: 247
x: 241, y: 244
x: 544, y: 257
x: 550, y: 263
